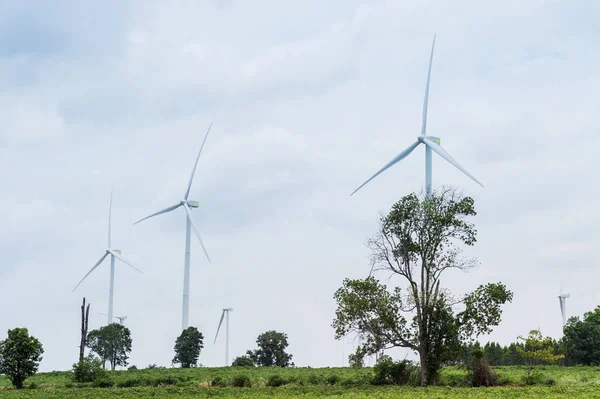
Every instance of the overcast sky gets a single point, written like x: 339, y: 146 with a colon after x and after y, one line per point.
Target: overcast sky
x: 308, y: 100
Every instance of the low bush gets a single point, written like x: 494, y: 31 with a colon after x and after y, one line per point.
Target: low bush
x: 480, y: 372
x: 88, y: 370
x: 241, y: 381
x: 402, y: 372
x: 275, y: 380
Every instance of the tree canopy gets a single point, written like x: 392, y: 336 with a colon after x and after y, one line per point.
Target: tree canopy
x: 271, y: 350
x: 188, y: 346
x: 582, y: 338
x: 417, y: 242
x: 111, y: 343
x: 20, y: 356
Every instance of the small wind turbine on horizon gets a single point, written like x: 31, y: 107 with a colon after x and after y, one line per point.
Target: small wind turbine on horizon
x: 225, y: 312
x: 120, y: 318
x: 431, y: 144
x: 186, y: 203
x: 562, y: 298
x: 114, y: 253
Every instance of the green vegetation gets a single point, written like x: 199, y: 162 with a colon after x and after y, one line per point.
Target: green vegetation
x: 417, y: 242
x: 112, y: 343
x: 271, y: 350
x: 20, y: 356
x: 308, y: 382
x: 187, y: 347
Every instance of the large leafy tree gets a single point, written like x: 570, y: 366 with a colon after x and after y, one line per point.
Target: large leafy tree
x: 271, y: 350
x: 20, y: 356
x: 417, y: 242
x: 582, y: 338
x: 111, y: 343
x: 187, y: 347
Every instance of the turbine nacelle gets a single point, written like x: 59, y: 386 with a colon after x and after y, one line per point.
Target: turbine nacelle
x: 113, y: 250
x: 190, y: 203
x: 432, y: 138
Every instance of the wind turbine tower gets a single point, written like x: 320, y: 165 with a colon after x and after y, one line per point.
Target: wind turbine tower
x: 114, y: 254
x: 186, y: 203
x: 562, y: 298
x: 225, y: 314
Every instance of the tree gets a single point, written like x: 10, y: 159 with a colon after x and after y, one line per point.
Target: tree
x: 243, y: 361
x: 85, y: 316
x: 187, y: 347
x: 582, y: 338
x: 271, y: 350
x: 20, y: 356
x: 536, y: 348
x: 417, y: 242
x: 111, y: 343
x: 494, y: 353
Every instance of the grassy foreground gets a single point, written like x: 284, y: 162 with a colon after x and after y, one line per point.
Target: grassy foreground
x: 579, y: 382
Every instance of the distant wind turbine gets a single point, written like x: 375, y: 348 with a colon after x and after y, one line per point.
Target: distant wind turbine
x: 431, y: 143
x: 186, y: 204
x: 114, y: 253
x: 562, y: 298
x: 120, y: 318
x: 225, y: 312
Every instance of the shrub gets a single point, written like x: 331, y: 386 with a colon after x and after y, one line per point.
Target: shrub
x: 103, y: 382
x: 402, y: 372
x: 480, y: 372
x: 275, y: 381
x: 241, y: 381
x: 333, y: 379
x: 32, y: 385
x: 550, y: 381
x: 132, y: 367
x: 314, y: 379
x: 535, y: 378
x: 218, y: 382
x: 164, y: 380
x: 88, y: 370
x: 243, y: 361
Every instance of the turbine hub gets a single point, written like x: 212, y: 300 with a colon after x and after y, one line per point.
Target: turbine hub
x: 115, y: 250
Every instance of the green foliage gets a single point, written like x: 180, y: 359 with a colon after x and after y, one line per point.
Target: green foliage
x: 112, y: 343
x: 537, y: 349
x: 402, y: 372
x: 241, y: 381
x: 187, y: 347
x: 275, y: 381
x: 417, y: 241
x: 132, y: 367
x: 20, y: 356
x: 356, y: 360
x: 88, y: 370
x: 271, y: 350
x: 243, y: 361
x: 582, y: 338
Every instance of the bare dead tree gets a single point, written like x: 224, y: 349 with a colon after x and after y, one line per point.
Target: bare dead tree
x: 85, y: 315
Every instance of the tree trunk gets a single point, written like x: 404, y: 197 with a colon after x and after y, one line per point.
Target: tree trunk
x: 85, y: 314
x: 423, y: 361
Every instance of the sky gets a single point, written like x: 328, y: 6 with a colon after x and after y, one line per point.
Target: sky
x: 308, y: 100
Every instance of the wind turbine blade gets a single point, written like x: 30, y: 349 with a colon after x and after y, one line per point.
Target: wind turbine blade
x: 91, y: 270
x: 103, y: 314
x: 122, y: 259
x: 397, y: 159
x: 189, y: 215
x: 187, y: 193
x: 169, y: 209
x: 218, y: 328
x: 441, y: 152
x: 109, y: 216
x: 426, y: 101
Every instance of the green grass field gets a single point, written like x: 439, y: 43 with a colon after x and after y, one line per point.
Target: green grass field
x: 567, y: 382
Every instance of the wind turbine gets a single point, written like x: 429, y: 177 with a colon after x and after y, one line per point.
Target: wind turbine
x: 431, y: 144
x: 225, y: 312
x: 186, y: 203
x: 562, y: 298
x: 114, y: 253
x: 120, y: 318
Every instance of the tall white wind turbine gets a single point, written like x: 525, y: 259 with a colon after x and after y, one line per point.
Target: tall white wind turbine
x: 225, y: 313
x: 562, y: 298
x: 431, y: 144
x: 186, y: 203
x: 114, y: 253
